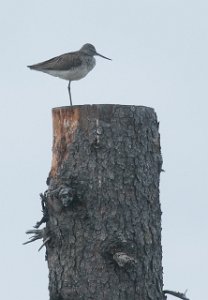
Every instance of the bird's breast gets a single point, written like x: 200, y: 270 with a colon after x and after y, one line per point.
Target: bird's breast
x: 90, y: 62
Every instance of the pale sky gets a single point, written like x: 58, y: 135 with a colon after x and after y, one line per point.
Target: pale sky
x: 159, y: 51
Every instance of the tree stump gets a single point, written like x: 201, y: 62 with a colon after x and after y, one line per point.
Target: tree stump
x: 104, y: 216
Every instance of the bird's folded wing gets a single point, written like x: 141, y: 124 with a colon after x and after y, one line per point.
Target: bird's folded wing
x: 59, y: 63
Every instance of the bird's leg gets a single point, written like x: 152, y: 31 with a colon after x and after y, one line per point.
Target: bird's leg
x: 69, y: 89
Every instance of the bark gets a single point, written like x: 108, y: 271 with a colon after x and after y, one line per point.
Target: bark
x: 104, y: 216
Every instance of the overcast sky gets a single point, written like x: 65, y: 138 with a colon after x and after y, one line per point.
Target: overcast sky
x: 159, y: 51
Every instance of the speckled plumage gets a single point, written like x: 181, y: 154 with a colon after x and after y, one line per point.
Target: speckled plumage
x: 70, y: 66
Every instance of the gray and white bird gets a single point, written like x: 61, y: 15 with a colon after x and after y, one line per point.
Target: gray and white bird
x: 70, y: 66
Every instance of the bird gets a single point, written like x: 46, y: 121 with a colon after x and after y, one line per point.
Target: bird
x: 70, y: 66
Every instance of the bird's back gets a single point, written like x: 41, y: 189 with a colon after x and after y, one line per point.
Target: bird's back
x: 61, y: 62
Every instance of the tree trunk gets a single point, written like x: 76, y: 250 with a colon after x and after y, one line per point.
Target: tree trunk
x: 103, y: 204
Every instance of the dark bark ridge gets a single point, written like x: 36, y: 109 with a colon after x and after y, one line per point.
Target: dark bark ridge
x: 103, y: 209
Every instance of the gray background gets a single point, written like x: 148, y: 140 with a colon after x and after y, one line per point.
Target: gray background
x: 159, y: 51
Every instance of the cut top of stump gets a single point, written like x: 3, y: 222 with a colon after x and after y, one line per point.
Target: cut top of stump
x: 93, y: 121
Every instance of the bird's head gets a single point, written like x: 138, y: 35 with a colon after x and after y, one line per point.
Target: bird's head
x: 90, y: 50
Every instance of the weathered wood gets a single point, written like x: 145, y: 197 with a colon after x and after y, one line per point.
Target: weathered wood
x: 104, y: 216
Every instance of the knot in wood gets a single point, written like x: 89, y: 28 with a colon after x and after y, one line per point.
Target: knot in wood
x: 66, y: 195
x: 123, y: 259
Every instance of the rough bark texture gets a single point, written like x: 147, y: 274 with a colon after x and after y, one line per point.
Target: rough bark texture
x: 103, y: 204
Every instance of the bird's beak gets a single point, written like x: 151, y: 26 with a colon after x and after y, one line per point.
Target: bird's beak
x: 103, y: 56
